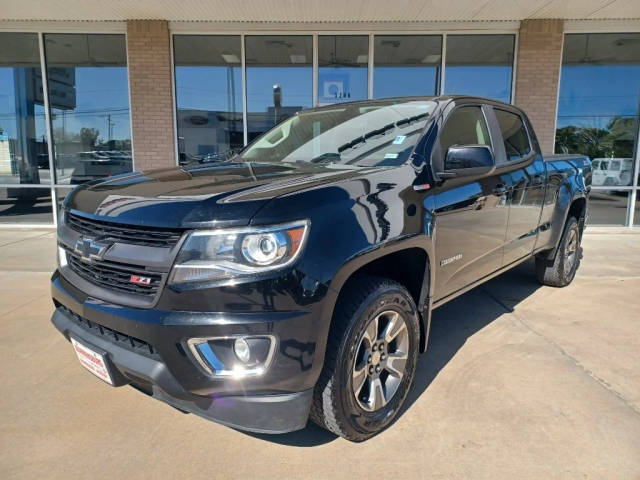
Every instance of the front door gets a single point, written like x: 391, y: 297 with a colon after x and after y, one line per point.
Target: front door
x: 471, y: 215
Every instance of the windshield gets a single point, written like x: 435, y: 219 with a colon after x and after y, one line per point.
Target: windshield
x: 365, y: 134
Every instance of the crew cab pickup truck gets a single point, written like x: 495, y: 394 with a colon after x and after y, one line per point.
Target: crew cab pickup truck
x: 297, y: 279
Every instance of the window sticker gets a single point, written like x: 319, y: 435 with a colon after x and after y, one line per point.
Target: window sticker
x: 399, y: 139
x: 391, y: 155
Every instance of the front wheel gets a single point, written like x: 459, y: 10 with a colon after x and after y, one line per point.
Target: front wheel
x: 370, y: 360
x: 559, y: 271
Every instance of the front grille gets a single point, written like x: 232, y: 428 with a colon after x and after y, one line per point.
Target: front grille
x: 114, y: 276
x: 122, y: 339
x: 120, y: 232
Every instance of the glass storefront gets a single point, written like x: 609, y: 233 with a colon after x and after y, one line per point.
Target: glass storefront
x: 23, y: 136
x: 598, y: 114
x: 406, y: 65
x: 208, y: 81
x: 279, y: 79
x: 88, y: 97
x: 89, y: 102
x: 342, y: 68
x: 480, y: 65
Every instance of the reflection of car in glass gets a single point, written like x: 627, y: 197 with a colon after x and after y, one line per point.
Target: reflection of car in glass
x: 98, y: 164
x: 612, y: 171
x: 297, y: 279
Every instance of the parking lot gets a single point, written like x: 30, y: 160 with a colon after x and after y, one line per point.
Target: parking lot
x: 520, y: 381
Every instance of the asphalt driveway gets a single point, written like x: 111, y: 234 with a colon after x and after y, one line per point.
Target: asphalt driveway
x: 520, y: 381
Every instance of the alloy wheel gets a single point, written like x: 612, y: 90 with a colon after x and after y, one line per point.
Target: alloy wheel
x: 380, y: 361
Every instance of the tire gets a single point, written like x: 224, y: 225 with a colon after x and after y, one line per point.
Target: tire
x: 560, y: 271
x: 351, y: 349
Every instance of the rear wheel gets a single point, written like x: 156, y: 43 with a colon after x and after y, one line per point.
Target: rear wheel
x: 560, y: 271
x: 370, y: 360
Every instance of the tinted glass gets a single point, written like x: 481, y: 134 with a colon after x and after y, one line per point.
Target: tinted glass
x: 406, y: 65
x: 342, y: 68
x: 479, y: 65
x: 516, y: 140
x: 208, y: 76
x: 381, y: 134
x: 598, y: 103
x: 89, y: 101
x: 23, y: 144
x: 465, y: 126
x: 608, y: 207
x: 279, y: 79
x: 25, y: 205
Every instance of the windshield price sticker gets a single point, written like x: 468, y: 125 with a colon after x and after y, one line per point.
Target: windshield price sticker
x: 399, y: 139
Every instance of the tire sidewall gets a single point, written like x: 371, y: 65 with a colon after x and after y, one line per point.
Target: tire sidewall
x: 369, y: 423
x: 572, y: 224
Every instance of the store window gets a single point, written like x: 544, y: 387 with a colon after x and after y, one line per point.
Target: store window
x: 89, y: 102
x: 23, y: 136
x: 598, y: 103
x: 479, y: 65
x: 208, y: 80
x: 406, y: 65
x: 342, y: 68
x: 279, y: 79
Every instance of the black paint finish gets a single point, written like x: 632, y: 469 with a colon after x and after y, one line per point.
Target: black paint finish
x: 467, y: 226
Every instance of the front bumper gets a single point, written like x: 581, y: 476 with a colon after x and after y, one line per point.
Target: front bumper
x: 146, y: 348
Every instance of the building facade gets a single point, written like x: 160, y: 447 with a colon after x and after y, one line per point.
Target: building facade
x: 155, y: 86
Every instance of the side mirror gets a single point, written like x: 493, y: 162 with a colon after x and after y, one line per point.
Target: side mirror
x: 468, y: 160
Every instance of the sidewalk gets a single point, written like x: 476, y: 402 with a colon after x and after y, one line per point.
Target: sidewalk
x: 520, y: 381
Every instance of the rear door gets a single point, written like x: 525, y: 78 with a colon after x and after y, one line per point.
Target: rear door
x: 471, y: 213
x: 520, y: 156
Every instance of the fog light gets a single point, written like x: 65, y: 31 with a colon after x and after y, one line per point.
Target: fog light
x: 242, y: 350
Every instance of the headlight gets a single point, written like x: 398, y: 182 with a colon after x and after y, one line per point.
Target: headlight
x: 208, y: 255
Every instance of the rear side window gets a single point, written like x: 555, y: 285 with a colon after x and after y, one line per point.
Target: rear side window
x: 516, y: 140
x: 465, y: 126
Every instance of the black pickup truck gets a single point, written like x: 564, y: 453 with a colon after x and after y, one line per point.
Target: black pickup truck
x: 296, y: 280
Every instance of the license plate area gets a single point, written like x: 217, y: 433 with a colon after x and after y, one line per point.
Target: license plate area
x: 92, y: 360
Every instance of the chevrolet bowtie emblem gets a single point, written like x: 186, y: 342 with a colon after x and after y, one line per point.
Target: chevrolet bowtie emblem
x: 90, y: 249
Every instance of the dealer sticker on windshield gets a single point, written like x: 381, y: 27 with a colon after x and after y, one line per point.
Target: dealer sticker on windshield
x: 399, y: 139
x: 92, y: 361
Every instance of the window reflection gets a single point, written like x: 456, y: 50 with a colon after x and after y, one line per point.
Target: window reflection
x: 608, y: 207
x: 479, y: 65
x: 25, y: 205
x: 208, y: 76
x: 279, y: 79
x: 89, y: 101
x: 598, y: 103
x: 342, y: 68
x: 23, y: 145
x: 406, y: 65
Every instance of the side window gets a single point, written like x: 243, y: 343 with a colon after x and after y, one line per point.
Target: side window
x: 516, y: 140
x: 465, y: 126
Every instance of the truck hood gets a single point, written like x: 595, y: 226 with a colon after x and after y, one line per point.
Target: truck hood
x: 222, y: 194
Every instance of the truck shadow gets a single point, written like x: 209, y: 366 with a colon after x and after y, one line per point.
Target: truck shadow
x: 451, y: 326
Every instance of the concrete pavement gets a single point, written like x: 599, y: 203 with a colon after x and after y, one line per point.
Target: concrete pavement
x: 519, y: 381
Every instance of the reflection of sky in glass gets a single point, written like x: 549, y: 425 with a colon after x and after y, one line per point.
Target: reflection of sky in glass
x: 209, y: 88
x: 8, y: 105
x: 295, y: 85
x: 341, y: 84
x: 490, y: 81
x: 100, y: 92
x: 591, y: 94
x: 401, y: 81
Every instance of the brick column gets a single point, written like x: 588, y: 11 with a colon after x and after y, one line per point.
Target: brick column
x: 152, y: 122
x: 539, y: 58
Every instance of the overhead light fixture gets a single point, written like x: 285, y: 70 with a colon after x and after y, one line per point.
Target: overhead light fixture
x: 433, y: 58
x: 298, y: 58
x: 230, y: 58
x: 362, y: 59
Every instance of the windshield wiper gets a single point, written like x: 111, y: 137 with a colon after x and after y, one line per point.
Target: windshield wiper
x: 328, y: 157
x: 410, y: 120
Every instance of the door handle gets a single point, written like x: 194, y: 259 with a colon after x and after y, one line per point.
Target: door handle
x: 500, y: 190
